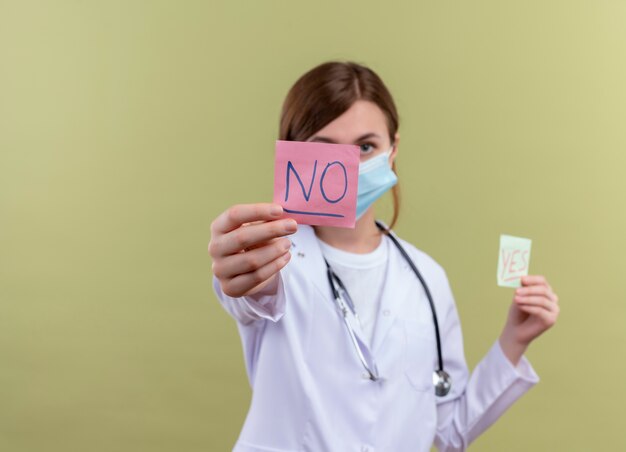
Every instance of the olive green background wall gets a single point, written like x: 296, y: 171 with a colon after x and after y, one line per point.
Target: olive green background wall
x: 127, y: 126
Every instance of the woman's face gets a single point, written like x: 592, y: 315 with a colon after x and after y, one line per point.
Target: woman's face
x: 363, y: 124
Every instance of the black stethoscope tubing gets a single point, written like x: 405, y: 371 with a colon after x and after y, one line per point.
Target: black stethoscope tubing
x: 442, y: 379
x: 426, y: 289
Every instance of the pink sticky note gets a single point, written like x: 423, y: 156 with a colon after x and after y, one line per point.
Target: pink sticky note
x: 316, y: 183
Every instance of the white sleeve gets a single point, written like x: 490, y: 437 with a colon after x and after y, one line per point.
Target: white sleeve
x: 250, y: 308
x: 475, y: 401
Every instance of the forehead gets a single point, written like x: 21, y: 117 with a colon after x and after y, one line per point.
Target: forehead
x: 361, y: 118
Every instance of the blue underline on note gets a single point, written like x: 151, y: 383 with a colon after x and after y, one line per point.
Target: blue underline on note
x: 321, y: 214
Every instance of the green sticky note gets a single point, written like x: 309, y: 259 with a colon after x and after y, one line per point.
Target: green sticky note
x: 513, y: 260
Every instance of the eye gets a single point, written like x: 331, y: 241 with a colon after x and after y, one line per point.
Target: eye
x: 367, y: 148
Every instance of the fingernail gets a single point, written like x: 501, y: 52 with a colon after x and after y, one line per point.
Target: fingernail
x: 276, y: 210
x: 291, y: 226
x: 286, y: 245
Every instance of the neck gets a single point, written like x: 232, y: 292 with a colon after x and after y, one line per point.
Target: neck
x: 364, y: 238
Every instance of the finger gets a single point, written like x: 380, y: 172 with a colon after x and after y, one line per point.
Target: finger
x: 531, y: 280
x: 241, y: 284
x: 253, y: 222
x: 238, y: 264
x: 548, y: 318
x: 534, y: 280
x: 535, y: 301
x: 537, y: 290
x: 532, y: 290
x: 253, y: 235
x: 239, y: 214
x: 261, y: 244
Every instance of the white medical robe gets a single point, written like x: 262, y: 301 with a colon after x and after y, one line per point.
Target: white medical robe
x: 310, y: 391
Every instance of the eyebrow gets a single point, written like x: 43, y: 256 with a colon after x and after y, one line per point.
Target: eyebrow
x: 328, y: 140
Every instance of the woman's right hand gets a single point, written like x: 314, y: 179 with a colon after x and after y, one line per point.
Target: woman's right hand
x: 248, y: 247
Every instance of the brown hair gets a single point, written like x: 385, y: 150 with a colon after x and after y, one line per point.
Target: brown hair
x: 325, y: 93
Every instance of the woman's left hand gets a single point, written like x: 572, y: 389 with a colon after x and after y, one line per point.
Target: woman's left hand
x: 535, y: 308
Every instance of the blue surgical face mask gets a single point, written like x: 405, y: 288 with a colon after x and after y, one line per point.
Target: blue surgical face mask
x: 375, y: 178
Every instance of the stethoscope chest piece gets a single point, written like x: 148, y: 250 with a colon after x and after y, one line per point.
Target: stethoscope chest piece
x: 442, y: 382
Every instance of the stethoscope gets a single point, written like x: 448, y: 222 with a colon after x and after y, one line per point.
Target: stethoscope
x: 441, y: 379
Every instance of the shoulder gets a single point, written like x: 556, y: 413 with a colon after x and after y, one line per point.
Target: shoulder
x: 435, y: 276
x: 432, y: 271
x: 423, y: 260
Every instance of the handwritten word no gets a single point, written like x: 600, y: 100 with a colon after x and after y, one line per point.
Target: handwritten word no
x: 307, y: 193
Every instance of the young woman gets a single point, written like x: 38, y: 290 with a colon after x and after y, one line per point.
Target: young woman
x: 345, y: 348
